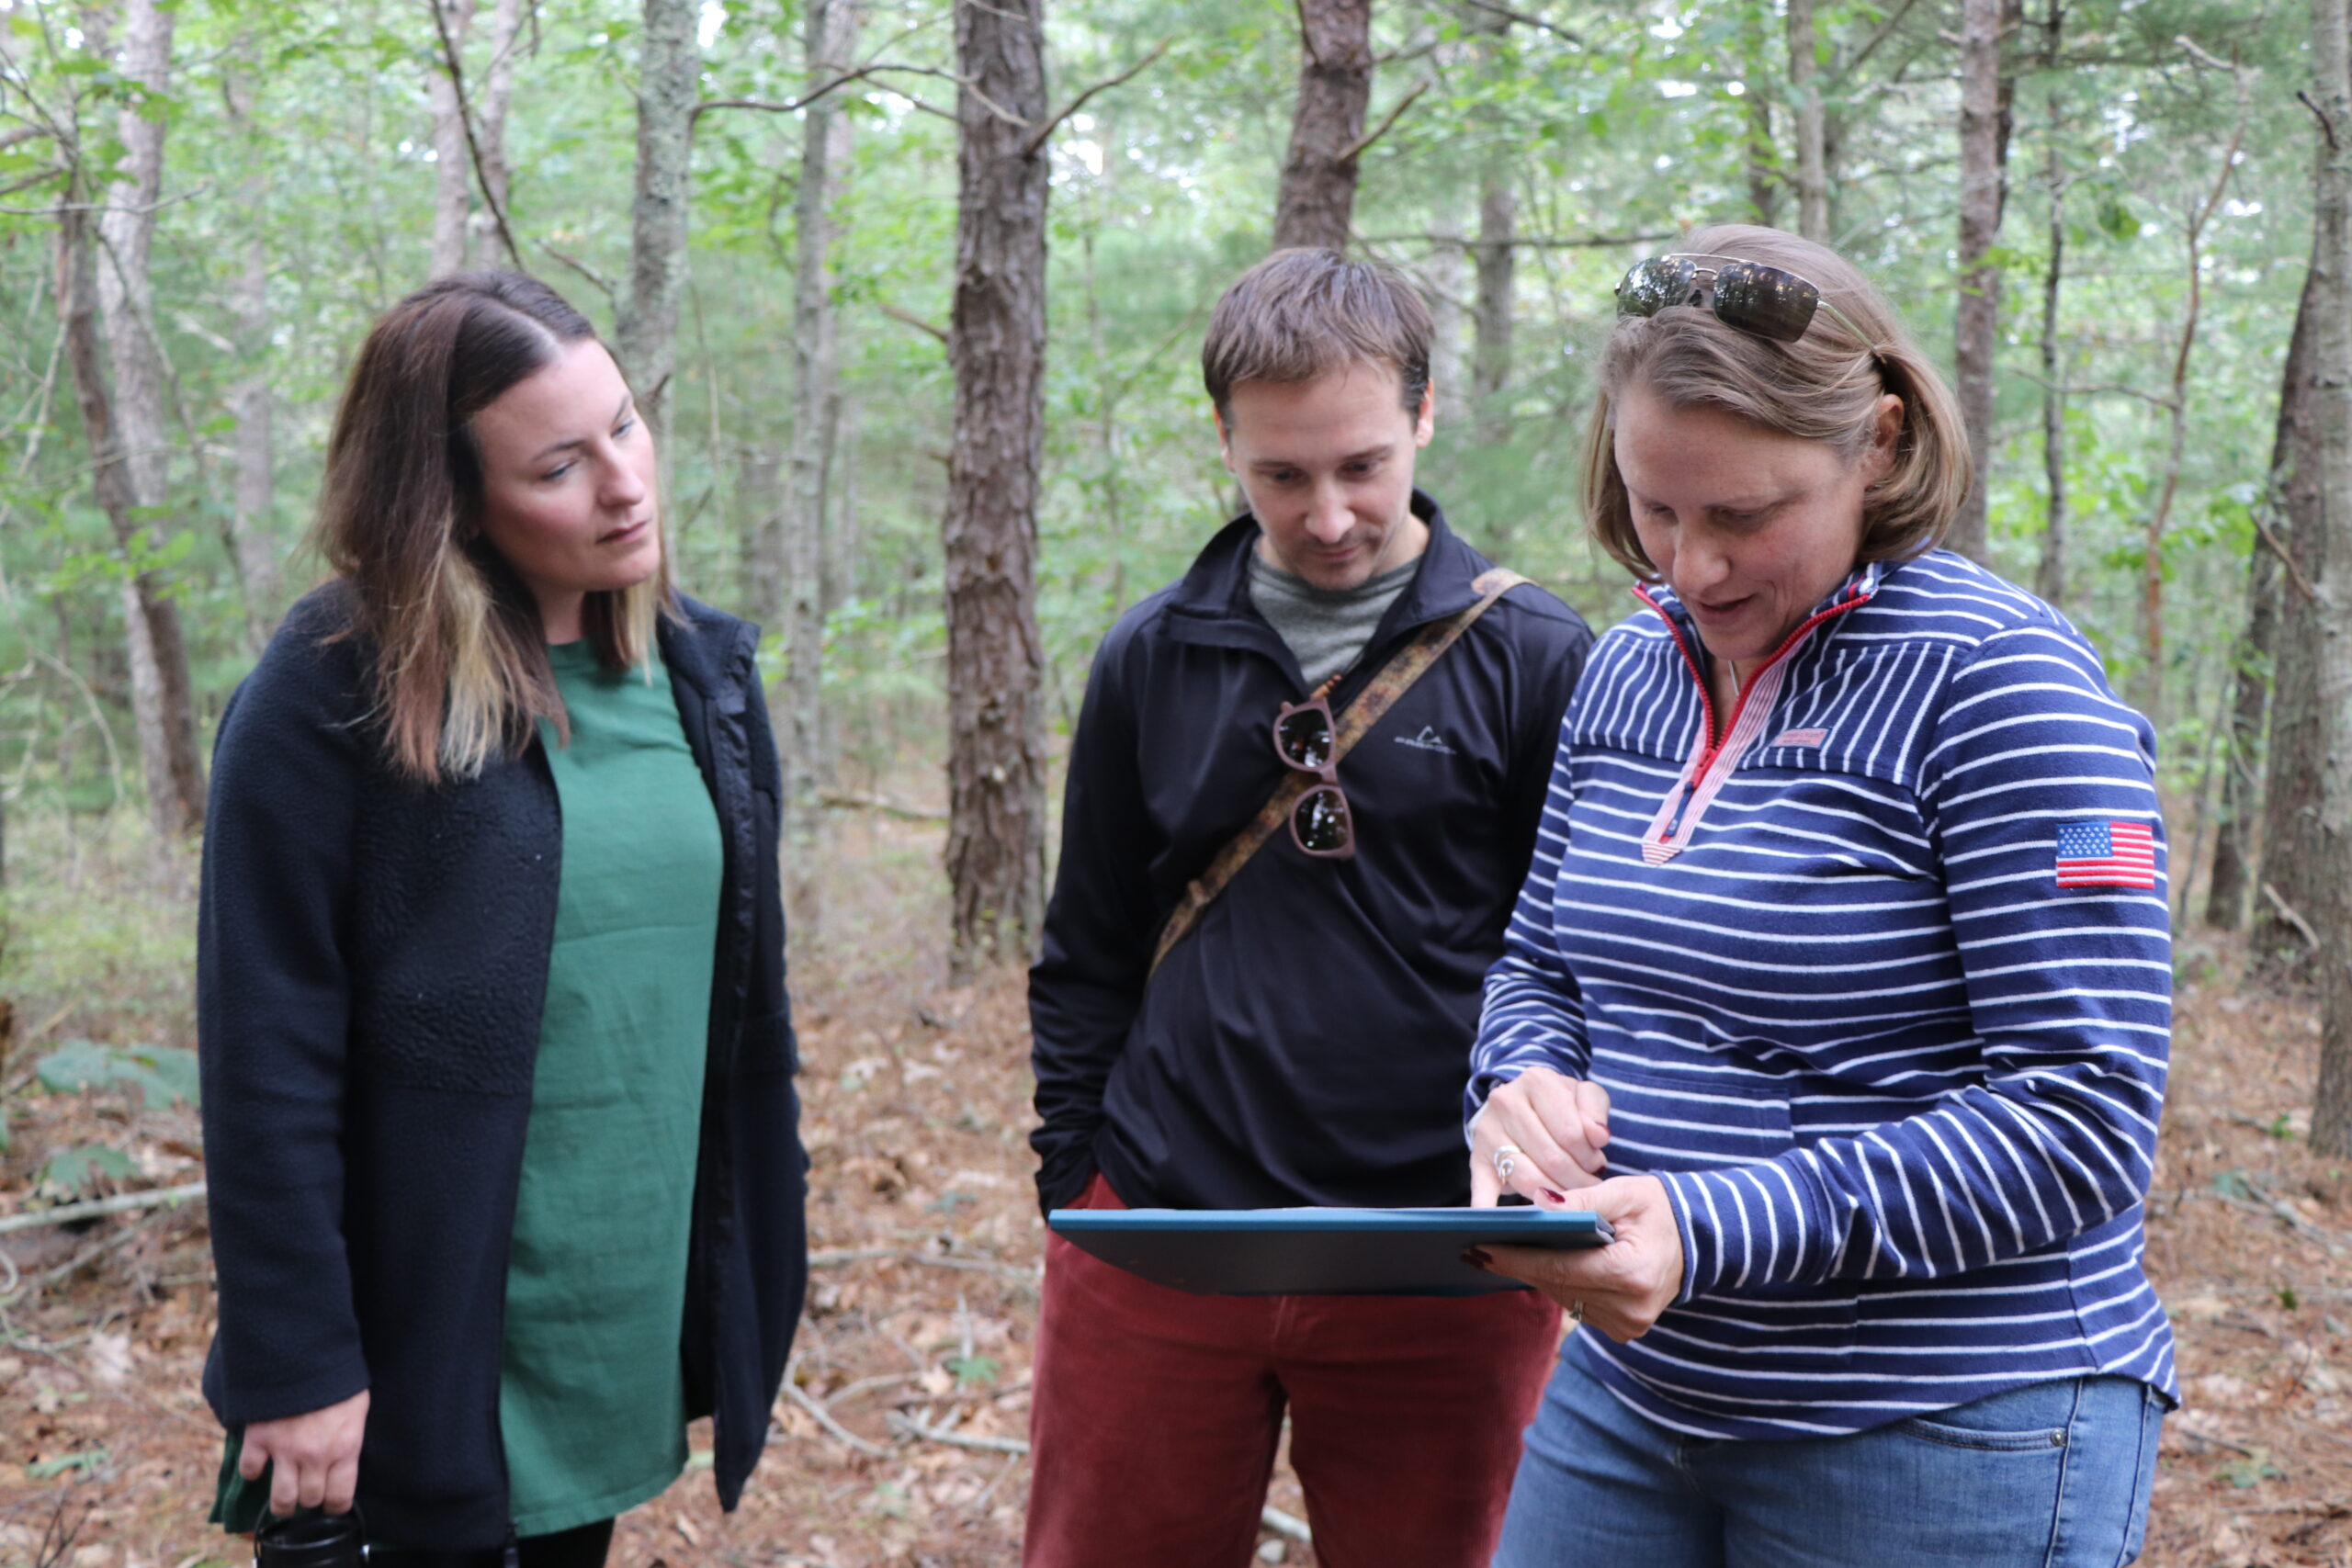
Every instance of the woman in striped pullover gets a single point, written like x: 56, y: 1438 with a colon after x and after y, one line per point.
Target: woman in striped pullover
x: 1839, y: 985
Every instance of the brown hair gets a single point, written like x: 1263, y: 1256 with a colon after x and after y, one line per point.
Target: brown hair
x: 1302, y: 314
x: 1825, y: 387
x: 461, y: 660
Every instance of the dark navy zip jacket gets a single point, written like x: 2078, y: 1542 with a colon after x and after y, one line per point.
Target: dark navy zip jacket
x: 1306, y: 1043
x: 371, y: 964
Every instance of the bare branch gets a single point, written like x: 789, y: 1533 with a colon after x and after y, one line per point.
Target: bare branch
x: 2201, y: 56
x: 794, y: 106
x: 1524, y: 20
x: 1377, y: 131
x: 2326, y: 126
x: 911, y: 319
x: 27, y: 134
x: 1879, y: 35
x: 2286, y: 558
x: 605, y: 285
x: 2096, y: 389
x: 457, y: 69
x: 1045, y: 132
x: 63, y: 207
x: 1524, y: 241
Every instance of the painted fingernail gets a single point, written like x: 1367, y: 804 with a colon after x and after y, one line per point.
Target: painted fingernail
x: 1556, y: 1197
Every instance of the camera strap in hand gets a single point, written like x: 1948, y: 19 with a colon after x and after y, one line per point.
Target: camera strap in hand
x: 1372, y: 704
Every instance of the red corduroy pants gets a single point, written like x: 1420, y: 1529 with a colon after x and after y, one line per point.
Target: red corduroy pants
x: 1155, y: 1415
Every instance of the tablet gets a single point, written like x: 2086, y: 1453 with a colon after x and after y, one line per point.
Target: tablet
x: 1319, y: 1252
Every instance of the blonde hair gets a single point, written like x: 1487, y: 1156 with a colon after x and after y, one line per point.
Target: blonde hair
x: 461, y: 660
x: 1825, y: 387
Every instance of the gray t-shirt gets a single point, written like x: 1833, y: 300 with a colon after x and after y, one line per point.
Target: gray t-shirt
x: 1325, y: 629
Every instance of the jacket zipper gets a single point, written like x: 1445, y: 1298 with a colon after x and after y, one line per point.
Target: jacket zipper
x: 1716, y: 738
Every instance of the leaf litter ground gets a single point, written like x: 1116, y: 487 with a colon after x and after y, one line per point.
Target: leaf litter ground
x: 910, y: 1376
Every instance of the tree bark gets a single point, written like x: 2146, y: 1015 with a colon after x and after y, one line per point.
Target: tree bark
x: 996, y: 348
x: 2050, y: 575
x: 2232, y: 875
x: 1315, y: 203
x: 506, y: 19
x: 252, y: 550
x: 1497, y: 293
x: 2290, y: 806
x: 129, y: 422
x: 669, y: 68
x: 453, y: 183
x: 2331, y: 910
x: 1984, y: 91
x: 829, y: 31
x: 1813, y: 142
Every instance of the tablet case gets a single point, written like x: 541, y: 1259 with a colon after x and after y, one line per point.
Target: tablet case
x: 1319, y: 1252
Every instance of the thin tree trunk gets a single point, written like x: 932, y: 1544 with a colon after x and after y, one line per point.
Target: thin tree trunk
x: 1497, y: 293
x: 995, y: 347
x: 2331, y: 914
x: 759, y: 489
x: 669, y: 67
x: 1316, y: 204
x: 453, y: 182
x: 2232, y: 875
x: 2050, y: 575
x: 252, y: 550
x: 162, y: 699
x: 506, y: 19
x: 1448, y: 271
x: 1976, y: 322
x: 1813, y: 143
x: 1765, y: 180
x: 2151, y: 568
x: 2291, y: 853
x: 829, y: 31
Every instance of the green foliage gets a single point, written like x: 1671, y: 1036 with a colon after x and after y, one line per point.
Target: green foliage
x: 70, y: 1173
x: 158, y: 1073
x: 82, y: 1462
x: 2249, y: 1470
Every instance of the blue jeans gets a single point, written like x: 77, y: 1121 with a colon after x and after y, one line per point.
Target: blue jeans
x: 2053, y: 1475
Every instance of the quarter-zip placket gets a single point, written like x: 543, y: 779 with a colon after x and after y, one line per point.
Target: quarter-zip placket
x: 1715, y: 756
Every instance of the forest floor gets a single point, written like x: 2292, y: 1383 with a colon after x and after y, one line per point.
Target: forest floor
x: 910, y: 1376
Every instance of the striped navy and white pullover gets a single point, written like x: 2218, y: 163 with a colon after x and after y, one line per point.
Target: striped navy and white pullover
x: 1893, y: 1042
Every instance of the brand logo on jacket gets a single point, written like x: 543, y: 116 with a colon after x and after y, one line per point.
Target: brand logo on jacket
x: 1801, y: 738
x: 1427, y: 740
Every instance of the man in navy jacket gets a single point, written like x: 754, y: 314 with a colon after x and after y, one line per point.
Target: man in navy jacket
x: 1305, y: 1043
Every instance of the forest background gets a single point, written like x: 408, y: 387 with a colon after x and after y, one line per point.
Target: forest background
x: 2100, y: 214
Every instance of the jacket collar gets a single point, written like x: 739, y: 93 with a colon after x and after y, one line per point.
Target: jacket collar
x: 1860, y: 585
x: 708, y: 649
x: 1211, y: 603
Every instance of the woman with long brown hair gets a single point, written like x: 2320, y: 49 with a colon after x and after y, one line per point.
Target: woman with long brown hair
x: 502, y: 1140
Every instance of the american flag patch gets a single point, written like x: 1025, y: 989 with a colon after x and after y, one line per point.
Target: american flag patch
x: 2106, y: 854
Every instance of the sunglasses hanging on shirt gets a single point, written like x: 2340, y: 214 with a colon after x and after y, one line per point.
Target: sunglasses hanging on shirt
x: 1306, y: 738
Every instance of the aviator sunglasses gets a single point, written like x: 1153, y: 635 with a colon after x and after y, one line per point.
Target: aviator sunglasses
x: 1306, y: 738
x: 1748, y: 296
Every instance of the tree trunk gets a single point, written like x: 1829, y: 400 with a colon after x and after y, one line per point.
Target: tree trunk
x: 829, y: 31
x: 1317, y: 202
x: 1983, y: 152
x: 2331, y: 911
x: 507, y: 19
x: 2050, y: 575
x: 1497, y: 293
x: 129, y: 424
x: 996, y: 348
x: 670, y: 69
x: 2233, y: 873
x: 1813, y: 144
x: 453, y: 183
x: 1765, y: 180
x: 252, y: 550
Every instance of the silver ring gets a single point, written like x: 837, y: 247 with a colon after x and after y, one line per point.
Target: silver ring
x: 1505, y: 1163
x: 1576, y: 1312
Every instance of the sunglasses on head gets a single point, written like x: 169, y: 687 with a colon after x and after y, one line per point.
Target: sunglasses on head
x: 1766, y: 301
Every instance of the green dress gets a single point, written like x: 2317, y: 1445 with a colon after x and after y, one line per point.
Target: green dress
x: 592, y: 1398
x: 592, y: 1394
